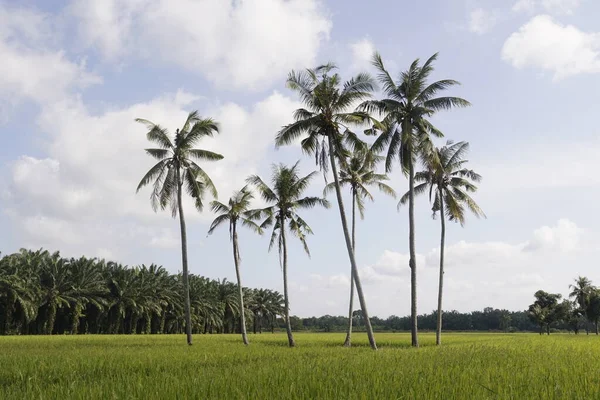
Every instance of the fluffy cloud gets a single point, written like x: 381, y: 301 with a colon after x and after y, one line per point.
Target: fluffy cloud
x: 236, y: 44
x: 498, y: 274
x: 362, y: 52
x: 32, y: 66
x: 563, y: 50
x: 481, y: 21
x: 550, y: 6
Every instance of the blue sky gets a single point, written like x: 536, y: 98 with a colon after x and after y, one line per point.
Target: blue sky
x: 76, y: 74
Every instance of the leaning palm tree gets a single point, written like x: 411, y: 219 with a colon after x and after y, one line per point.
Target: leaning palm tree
x: 358, y: 172
x: 328, y: 115
x: 238, y: 210
x: 285, y: 195
x: 406, y: 132
x: 449, y: 183
x: 175, y: 169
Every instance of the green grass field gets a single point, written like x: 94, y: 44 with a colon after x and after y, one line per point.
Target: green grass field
x: 468, y: 366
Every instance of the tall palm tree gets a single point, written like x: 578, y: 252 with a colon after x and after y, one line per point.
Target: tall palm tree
x: 328, y: 115
x: 581, y: 291
x: 175, y: 169
x: 285, y: 195
x: 449, y: 183
x: 358, y: 173
x: 238, y: 210
x: 406, y: 132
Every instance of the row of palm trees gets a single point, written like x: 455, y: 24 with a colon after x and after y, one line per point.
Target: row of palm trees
x: 44, y: 293
x: 326, y: 128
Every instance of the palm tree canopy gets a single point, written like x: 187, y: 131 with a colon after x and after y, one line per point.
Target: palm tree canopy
x: 446, y: 173
x: 237, y: 210
x: 179, y: 154
x: 285, y: 197
x: 329, y: 109
x: 581, y: 291
x: 358, y: 172
x: 410, y: 101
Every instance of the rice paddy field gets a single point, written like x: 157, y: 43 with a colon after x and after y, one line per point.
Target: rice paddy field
x: 467, y: 366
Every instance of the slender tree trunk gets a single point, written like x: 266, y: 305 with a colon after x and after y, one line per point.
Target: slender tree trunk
x: 76, y: 316
x: 361, y: 297
x: 438, y: 332
x: 413, y: 260
x: 184, y: 260
x: 348, y: 341
x: 596, y: 325
x: 236, y: 260
x: 288, y: 325
x: 254, y: 322
x: 51, y: 318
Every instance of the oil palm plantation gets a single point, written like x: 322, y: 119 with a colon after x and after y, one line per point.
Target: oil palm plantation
x: 405, y: 130
x: 285, y: 197
x: 328, y: 115
x: 449, y: 184
x: 358, y: 173
x: 176, y: 169
x: 237, y: 210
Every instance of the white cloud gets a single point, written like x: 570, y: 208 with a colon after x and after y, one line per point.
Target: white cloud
x: 362, y: 53
x: 477, y: 274
x: 563, y: 50
x: 550, y: 6
x: 86, y: 186
x: 236, y: 44
x: 32, y: 66
x: 481, y: 21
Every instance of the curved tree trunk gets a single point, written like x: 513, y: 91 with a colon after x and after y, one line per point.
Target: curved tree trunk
x: 348, y: 341
x: 184, y: 260
x: 236, y: 260
x: 413, y: 261
x: 288, y: 325
x: 438, y: 332
x: 361, y: 297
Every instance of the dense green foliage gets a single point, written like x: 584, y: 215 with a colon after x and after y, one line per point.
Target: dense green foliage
x: 44, y: 293
x: 469, y: 366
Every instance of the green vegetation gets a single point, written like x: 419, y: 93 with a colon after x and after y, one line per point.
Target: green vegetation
x: 469, y: 366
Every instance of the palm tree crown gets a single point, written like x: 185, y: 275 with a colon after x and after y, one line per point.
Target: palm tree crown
x: 237, y: 210
x: 178, y: 156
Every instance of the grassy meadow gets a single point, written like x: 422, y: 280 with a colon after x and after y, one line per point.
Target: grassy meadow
x: 467, y: 366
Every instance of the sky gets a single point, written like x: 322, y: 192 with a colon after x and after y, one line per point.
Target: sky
x: 75, y: 74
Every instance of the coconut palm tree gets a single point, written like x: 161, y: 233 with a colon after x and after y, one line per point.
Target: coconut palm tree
x: 581, y: 291
x: 358, y: 173
x: 238, y: 210
x: 285, y: 197
x: 406, y: 132
x: 449, y: 183
x: 328, y: 115
x: 175, y: 169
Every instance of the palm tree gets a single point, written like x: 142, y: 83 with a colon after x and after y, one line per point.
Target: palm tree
x: 582, y: 291
x: 176, y: 167
x: 285, y: 195
x: 449, y: 184
x: 327, y: 116
x: 406, y: 132
x: 88, y: 288
x: 358, y: 173
x: 238, y: 210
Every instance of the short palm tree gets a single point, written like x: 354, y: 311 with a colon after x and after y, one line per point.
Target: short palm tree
x: 406, y: 132
x: 449, y: 183
x: 285, y: 197
x: 358, y: 172
x: 175, y: 169
x: 237, y: 210
x: 328, y: 115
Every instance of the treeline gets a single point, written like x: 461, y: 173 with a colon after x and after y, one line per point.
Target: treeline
x: 44, y: 293
x: 583, y: 312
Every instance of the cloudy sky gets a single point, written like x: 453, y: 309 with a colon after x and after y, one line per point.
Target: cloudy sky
x: 75, y: 74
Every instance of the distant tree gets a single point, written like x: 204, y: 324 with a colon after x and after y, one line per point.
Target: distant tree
x: 237, y: 210
x: 592, y: 311
x: 546, y: 310
x: 175, y: 169
x: 285, y: 197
